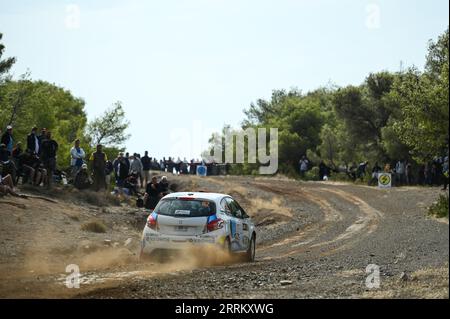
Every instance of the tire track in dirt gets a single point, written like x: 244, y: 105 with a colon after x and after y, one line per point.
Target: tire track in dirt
x: 364, y: 222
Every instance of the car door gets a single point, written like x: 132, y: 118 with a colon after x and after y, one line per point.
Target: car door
x: 236, y: 225
x: 246, y: 226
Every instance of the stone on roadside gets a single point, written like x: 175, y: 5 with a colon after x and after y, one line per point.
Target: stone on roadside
x: 128, y: 242
x: 286, y: 282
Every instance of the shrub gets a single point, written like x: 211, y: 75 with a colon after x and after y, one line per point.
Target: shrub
x: 440, y: 208
x: 94, y: 227
x: 312, y: 174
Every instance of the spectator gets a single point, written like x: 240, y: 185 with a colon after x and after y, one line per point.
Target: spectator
x: 303, y: 166
x: 400, y: 172
x: 7, y: 165
x: 324, y: 171
x: 434, y: 174
x: 177, y: 166
x: 361, y: 171
x: 136, y: 167
x: 146, y: 166
x: 427, y: 173
x: 82, y: 179
x: 445, y: 173
x: 375, y: 171
x: 151, y: 196
x: 7, y: 184
x: 163, y: 187
x: 155, y: 166
x: 49, y: 147
x: 170, y: 165
x: 131, y: 183
x: 127, y: 159
x: 42, y: 136
x: 7, y: 139
x: 421, y: 175
x: 352, y: 171
x: 77, y: 155
x: 109, y: 168
x: 409, y: 174
x: 98, y: 159
x: 17, y: 150
x: 121, y: 169
x: 26, y: 163
x: 33, y: 142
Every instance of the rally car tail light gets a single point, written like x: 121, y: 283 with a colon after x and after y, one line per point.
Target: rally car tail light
x: 186, y: 198
x: 214, y: 225
x: 151, y: 222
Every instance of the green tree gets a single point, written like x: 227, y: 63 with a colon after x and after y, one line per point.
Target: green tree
x: 46, y: 106
x: 5, y: 64
x: 423, y: 125
x: 109, y: 129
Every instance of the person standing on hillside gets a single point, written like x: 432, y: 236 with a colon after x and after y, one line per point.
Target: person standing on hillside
x: 7, y: 139
x: 361, y: 171
x: 77, y: 155
x: 49, y: 147
x: 146, y: 165
x: 151, y: 197
x: 303, y: 166
x: 136, y: 167
x: 445, y: 173
x: 33, y: 142
x: 400, y: 172
x: 109, y: 169
x: 98, y: 159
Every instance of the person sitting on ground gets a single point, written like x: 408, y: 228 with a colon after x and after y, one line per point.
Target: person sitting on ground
x: 26, y: 163
x: 163, y: 187
x: 7, y: 139
x: 17, y: 150
x: 8, y: 165
x: 131, y: 182
x: 7, y: 185
x: 82, y: 179
x: 151, y: 197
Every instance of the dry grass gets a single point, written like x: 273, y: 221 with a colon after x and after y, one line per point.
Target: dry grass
x: 94, y: 227
x: 429, y: 283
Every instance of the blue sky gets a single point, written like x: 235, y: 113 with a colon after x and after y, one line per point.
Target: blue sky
x: 183, y: 68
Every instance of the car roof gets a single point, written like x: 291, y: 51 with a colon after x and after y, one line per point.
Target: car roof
x: 202, y: 195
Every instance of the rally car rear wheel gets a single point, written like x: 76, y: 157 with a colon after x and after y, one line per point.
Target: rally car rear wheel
x: 251, y: 251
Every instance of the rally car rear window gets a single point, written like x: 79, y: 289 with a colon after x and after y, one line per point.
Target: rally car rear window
x: 186, y: 208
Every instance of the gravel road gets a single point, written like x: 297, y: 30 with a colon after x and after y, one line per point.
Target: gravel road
x: 315, y: 240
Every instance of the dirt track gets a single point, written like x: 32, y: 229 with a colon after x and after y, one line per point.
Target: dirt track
x: 315, y: 241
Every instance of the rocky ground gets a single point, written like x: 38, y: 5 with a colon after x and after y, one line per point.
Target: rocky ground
x: 315, y: 240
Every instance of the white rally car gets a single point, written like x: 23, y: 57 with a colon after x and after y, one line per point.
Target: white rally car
x: 185, y: 218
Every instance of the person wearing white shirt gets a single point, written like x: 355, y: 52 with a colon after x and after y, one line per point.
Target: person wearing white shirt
x: 77, y: 155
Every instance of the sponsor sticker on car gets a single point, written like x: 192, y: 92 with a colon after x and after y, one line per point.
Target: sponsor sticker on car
x: 182, y: 212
